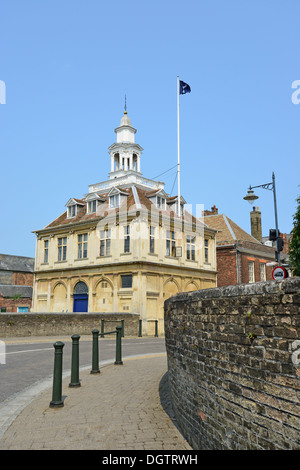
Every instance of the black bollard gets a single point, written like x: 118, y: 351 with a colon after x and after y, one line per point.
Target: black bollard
x: 75, y: 382
x: 119, y: 345
x: 57, y: 400
x: 95, y: 353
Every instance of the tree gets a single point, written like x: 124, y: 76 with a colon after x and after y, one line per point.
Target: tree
x: 294, y: 249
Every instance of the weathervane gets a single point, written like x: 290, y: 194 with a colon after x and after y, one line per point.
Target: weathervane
x: 125, y: 106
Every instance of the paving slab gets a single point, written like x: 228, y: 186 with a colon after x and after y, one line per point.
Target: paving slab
x: 125, y: 407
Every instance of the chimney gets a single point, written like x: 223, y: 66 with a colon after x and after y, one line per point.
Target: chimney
x: 213, y: 211
x: 255, y: 219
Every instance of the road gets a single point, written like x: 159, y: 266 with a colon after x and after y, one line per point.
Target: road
x: 30, y: 360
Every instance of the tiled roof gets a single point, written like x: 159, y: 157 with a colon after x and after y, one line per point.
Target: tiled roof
x: 227, y: 230
x: 104, y: 210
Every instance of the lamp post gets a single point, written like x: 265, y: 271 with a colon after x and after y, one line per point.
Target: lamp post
x: 250, y: 197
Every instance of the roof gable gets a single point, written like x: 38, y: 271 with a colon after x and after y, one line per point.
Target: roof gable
x: 227, y: 230
x: 72, y: 201
x: 116, y: 190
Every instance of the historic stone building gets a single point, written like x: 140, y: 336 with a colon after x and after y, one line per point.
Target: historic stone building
x: 124, y: 246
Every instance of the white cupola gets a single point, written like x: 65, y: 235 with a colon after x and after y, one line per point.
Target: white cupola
x: 125, y: 154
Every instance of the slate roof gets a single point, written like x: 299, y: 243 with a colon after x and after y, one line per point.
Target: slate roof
x: 12, y: 291
x: 16, y: 263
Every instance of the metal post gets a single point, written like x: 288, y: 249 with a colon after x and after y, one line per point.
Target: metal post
x: 122, y: 324
x: 95, y: 353
x: 118, y: 345
x: 102, y: 328
x: 140, y: 328
x: 75, y: 382
x: 276, y: 219
x: 156, y: 329
x: 57, y: 376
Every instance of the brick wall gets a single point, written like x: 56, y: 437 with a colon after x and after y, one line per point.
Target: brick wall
x: 232, y: 263
x: 234, y: 365
x: 11, y: 304
x: 244, y: 266
x: 226, y: 266
x: 22, y: 279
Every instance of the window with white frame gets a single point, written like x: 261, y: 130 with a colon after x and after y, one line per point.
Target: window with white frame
x: 127, y: 239
x: 152, y: 239
x: 170, y: 243
x: 62, y: 249
x: 262, y: 268
x: 105, y: 242
x: 72, y: 210
x: 190, y: 247
x: 206, y: 254
x: 82, y: 245
x: 251, y: 271
x: 46, y: 251
x: 160, y: 202
x: 92, y: 206
x: 114, y: 201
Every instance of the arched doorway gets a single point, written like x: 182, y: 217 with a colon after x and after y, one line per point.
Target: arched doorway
x: 80, y: 297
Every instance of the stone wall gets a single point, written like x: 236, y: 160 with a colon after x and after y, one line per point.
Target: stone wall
x: 51, y: 324
x: 234, y: 365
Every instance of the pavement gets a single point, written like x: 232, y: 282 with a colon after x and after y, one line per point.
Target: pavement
x: 125, y: 407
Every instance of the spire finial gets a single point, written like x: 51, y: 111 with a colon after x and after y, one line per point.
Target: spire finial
x: 125, y: 112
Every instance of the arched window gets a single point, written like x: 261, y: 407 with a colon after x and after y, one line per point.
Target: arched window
x: 81, y: 288
x: 134, y: 162
x: 116, y: 161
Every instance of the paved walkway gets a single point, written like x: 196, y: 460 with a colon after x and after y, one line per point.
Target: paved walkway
x: 125, y: 407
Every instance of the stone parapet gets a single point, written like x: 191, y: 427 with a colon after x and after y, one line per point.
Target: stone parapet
x: 51, y: 324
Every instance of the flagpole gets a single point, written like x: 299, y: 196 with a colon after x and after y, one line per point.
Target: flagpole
x: 178, y: 150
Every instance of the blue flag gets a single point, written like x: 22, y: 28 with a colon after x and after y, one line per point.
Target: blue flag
x: 184, y: 88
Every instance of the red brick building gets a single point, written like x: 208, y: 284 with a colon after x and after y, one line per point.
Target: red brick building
x: 241, y: 258
x: 16, y: 281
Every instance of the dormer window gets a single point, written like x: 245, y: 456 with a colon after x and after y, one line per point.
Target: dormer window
x: 114, y: 201
x: 72, y: 210
x: 74, y: 206
x: 160, y: 202
x: 93, y: 202
x: 92, y: 206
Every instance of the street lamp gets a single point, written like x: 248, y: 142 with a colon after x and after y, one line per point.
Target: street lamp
x: 250, y: 197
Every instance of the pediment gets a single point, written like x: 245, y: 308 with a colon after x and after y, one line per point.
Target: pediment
x: 93, y: 197
x: 116, y: 190
x: 172, y: 200
x: 159, y: 192
x: 72, y: 201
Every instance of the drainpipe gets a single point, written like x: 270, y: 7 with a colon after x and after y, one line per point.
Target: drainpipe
x: 236, y: 262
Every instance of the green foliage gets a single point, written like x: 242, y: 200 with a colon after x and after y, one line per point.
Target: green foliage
x: 294, y: 249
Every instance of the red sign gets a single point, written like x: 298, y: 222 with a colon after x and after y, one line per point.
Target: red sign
x: 279, y: 273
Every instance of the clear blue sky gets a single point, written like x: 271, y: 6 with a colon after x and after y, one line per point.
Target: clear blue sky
x: 67, y: 65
